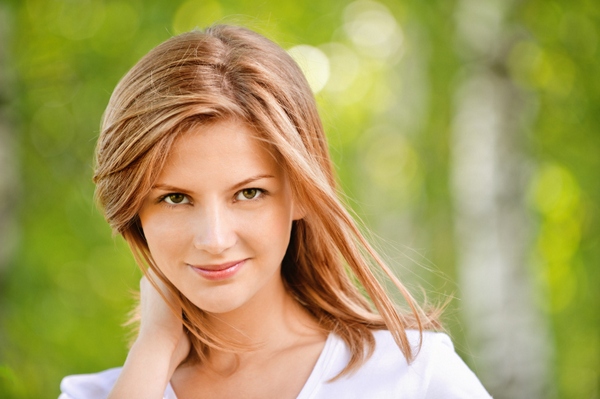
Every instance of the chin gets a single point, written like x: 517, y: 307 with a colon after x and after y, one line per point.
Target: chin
x: 223, y: 306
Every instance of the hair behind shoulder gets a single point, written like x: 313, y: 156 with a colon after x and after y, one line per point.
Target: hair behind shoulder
x: 232, y: 72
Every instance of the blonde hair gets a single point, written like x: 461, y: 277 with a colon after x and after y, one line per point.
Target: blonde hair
x: 228, y: 71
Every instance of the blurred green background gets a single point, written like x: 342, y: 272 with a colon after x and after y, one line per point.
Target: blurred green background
x: 465, y: 134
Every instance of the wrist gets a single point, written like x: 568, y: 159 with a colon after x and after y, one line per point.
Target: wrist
x: 164, y: 348
x: 156, y: 341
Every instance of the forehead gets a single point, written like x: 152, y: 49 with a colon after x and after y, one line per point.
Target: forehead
x: 226, y: 149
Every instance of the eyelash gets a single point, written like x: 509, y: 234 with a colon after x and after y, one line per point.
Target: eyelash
x: 163, y: 199
x: 260, y: 195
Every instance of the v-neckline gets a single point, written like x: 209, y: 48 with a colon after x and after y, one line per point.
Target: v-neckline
x: 320, y: 368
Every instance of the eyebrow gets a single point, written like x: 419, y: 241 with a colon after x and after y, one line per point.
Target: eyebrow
x: 251, y: 180
x: 168, y: 187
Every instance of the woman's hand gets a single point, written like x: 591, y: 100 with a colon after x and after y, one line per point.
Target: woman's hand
x: 158, y: 322
x: 160, y: 347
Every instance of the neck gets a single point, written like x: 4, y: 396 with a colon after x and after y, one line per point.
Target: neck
x: 270, y: 322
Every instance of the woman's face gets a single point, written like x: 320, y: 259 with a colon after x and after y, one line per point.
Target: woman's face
x: 219, y: 217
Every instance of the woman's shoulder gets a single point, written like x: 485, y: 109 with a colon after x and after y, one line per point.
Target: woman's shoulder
x: 427, y: 347
x: 436, y: 371
x: 424, y: 341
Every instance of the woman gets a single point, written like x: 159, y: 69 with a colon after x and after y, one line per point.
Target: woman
x: 213, y: 165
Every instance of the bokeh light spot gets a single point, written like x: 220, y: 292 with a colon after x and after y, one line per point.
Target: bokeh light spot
x: 372, y: 28
x: 555, y: 192
x: 314, y: 63
x: 344, y: 65
x: 558, y: 242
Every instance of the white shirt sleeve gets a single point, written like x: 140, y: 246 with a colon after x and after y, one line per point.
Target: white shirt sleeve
x: 89, y: 386
x: 96, y: 386
x: 450, y: 377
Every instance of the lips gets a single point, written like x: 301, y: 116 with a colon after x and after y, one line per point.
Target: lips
x: 219, y: 272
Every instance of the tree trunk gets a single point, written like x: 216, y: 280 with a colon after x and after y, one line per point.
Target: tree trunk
x: 489, y: 177
x: 8, y: 180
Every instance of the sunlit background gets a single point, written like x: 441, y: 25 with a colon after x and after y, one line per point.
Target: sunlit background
x: 465, y: 134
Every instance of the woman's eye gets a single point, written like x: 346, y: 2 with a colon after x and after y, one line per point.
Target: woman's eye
x: 248, y: 194
x: 176, y: 199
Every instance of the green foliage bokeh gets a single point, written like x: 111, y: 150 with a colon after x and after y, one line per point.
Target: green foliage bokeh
x: 66, y: 290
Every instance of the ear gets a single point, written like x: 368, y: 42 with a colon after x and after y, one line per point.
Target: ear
x: 298, y: 211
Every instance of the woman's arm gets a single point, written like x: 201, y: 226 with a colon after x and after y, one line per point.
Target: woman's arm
x: 160, y: 347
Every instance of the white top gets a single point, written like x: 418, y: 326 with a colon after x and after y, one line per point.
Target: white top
x: 437, y: 372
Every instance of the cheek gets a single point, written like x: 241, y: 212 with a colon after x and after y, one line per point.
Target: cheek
x: 272, y: 229
x: 163, y: 235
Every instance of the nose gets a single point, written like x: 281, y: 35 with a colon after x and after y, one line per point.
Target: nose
x: 214, y: 231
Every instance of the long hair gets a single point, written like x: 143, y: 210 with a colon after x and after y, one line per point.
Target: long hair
x: 231, y: 72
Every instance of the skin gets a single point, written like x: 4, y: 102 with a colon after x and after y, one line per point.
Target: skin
x: 218, y: 223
